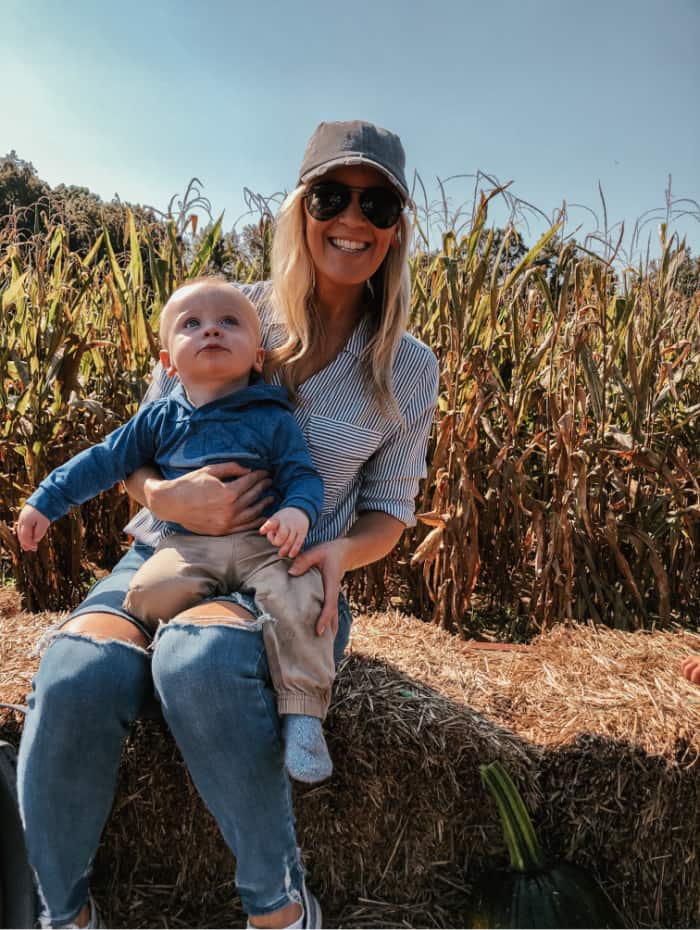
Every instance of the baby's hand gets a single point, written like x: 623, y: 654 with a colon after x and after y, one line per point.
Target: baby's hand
x: 31, y: 527
x: 287, y: 530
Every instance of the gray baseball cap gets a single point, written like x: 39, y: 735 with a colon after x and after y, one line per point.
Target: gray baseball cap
x: 355, y: 143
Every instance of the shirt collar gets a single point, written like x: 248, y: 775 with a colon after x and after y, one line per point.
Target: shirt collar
x: 360, y: 336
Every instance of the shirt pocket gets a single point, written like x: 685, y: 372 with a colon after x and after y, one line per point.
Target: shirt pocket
x: 339, y: 450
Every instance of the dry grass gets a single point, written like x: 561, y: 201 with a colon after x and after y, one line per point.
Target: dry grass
x: 564, y: 481
x: 597, y: 727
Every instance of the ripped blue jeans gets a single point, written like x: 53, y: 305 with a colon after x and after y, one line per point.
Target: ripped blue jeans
x: 214, y: 688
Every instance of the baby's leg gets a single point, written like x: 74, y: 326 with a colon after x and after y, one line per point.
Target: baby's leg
x: 182, y: 571
x: 301, y: 662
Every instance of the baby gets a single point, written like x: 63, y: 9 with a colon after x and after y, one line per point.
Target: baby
x: 221, y: 411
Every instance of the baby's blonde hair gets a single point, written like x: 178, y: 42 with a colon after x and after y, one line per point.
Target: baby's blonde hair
x: 213, y: 280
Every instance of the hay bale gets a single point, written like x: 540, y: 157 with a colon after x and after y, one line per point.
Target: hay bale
x: 597, y: 727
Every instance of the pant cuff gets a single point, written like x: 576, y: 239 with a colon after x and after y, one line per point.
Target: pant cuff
x: 295, y: 703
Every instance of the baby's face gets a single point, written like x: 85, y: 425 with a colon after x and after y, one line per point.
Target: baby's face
x: 210, y: 335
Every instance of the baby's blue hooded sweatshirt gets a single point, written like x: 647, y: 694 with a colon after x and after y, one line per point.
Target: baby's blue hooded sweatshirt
x: 254, y: 426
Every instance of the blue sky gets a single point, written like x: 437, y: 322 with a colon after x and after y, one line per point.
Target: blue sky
x: 138, y: 97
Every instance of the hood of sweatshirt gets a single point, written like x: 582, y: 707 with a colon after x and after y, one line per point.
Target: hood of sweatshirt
x: 254, y: 395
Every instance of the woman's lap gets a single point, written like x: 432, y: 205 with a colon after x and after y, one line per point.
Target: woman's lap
x: 107, y: 597
x: 213, y: 685
x: 180, y: 654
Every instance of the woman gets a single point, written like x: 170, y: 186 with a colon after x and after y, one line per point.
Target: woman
x: 333, y: 320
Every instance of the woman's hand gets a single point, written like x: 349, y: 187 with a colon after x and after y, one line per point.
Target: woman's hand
x: 203, y: 502
x: 373, y: 535
x: 331, y: 560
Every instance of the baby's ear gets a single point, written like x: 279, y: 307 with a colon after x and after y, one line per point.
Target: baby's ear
x: 259, y: 360
x: 170, y: 369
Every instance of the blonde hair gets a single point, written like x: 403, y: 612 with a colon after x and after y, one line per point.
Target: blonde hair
x: 211, y: 280
x: 293, y: 291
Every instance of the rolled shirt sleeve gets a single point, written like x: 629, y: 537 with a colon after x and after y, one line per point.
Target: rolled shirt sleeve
x: 390, y: 478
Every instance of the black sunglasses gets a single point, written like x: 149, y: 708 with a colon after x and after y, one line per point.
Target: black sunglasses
x: 381, y: 205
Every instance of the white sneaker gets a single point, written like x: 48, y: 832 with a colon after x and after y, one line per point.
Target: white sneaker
x: 94, y: 921
x: 311, y: 917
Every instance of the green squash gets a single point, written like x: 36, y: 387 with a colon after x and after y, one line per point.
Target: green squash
x: 533, y: 893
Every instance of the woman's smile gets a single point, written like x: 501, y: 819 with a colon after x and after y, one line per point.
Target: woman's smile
x: 347, y: 249
x: 348, y: 245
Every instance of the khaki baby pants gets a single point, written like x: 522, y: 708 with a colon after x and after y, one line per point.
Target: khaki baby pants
x: 186, y: 568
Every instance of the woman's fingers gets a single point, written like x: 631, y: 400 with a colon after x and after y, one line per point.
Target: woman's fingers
x: 328, y: 619
x: 244, y: 505
x: 223, y: 470
x: 204, y: 503
x: 331, y: 572
x: 247, y: 483
x: 251, y: 515
x: 242, y: 493
x: 252, y: 525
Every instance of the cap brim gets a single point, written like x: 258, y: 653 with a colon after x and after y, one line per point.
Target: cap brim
x: 356, y: 160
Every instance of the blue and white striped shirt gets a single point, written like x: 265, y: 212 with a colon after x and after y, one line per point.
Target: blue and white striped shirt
x: 367, y: 460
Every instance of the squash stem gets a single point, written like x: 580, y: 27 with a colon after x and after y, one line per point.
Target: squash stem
x: 523, y: 846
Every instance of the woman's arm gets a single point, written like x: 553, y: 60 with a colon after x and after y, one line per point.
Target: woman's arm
x: 136, y: 482
x: 203, y: 501
x: 373, y: 535
x: 390, y: 481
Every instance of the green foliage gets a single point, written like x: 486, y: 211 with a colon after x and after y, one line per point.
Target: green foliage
x: 77, y: 342
x: 29, y: 206
x: 20, y: 185
x: 563, y: 479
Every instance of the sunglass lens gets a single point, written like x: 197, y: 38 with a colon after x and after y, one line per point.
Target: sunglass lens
x: 381, y: 206
x: 324, y: 201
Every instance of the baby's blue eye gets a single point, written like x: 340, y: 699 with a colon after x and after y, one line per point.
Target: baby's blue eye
x: 230, y: 321
x: 190, y: 323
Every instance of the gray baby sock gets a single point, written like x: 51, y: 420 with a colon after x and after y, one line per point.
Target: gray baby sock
x: 305, y: 753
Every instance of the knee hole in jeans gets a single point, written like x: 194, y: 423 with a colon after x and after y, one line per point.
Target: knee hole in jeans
x: 219, y: 613
x: 105, y: 627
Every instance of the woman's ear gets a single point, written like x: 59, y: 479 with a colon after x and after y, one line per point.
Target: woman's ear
x: 170, y: 369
